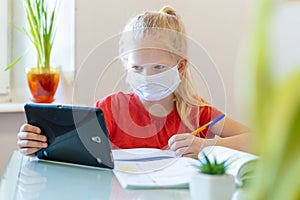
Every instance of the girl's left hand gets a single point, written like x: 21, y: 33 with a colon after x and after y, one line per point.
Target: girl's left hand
x: 186, y: 144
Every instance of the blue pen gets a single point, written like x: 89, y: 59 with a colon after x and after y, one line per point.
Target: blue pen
x: 212, y: 122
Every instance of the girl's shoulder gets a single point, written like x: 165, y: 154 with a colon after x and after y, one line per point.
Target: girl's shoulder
x: 209, y: 111
x: 206, y: 109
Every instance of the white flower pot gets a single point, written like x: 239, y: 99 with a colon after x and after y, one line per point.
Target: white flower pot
x: 212, y: 187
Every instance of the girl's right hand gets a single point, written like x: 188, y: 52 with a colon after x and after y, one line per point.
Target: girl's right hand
x: 30, y: 140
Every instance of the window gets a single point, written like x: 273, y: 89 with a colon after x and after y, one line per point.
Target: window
x: 4, y: 76
x: 13, y: 83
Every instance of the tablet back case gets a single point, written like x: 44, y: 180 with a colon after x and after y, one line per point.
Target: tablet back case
x: 74, y: 134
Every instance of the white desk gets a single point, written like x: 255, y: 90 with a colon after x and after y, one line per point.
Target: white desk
x: 27, y: 178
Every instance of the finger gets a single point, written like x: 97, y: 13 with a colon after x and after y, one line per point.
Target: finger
x: 31, y: 136
x: 183, y: 151
x: 178, y: 137
x: 191, y: 155
x: 187, y: 152
x: 29, y: 151
x: 182, y: 143
x: 30, y: 128
x: 31, y: 144
x: 179, y: 144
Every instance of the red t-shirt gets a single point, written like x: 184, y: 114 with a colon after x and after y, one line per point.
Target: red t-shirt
x: 130, y: 125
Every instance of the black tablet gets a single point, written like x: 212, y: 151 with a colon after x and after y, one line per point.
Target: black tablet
x: 74, y: 134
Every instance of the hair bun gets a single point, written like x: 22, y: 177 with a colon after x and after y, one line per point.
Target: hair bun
x: 168, y: 10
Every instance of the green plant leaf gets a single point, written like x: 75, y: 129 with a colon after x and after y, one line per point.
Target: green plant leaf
x: 14, y: 62
x: 208, y: 166
x: 40, y: 31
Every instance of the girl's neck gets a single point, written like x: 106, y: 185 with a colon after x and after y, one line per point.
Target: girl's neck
x: 160, y: 108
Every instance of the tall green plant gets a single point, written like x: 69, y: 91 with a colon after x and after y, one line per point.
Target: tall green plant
x: 41, y: 32
x: 276, y: 117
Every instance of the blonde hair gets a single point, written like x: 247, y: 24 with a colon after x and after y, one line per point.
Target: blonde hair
x: 165, y: 30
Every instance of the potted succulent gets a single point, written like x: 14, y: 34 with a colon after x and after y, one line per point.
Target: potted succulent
x: 43, y: 78
x: 212, y: 183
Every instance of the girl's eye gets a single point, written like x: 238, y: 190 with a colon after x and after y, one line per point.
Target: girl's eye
x: 137, y: 68
x: 159, y: 67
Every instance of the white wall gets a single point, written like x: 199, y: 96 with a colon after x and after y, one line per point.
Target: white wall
x: 4, y: 79
x: 9, y: 123
x: 219, y: 26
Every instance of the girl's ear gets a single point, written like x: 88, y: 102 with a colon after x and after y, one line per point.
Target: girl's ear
x: 182, y: 65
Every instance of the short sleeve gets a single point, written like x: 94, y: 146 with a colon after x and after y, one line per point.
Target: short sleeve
x: 105, y: 105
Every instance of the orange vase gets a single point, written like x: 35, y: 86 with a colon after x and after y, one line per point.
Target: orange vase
x: 43, y: 83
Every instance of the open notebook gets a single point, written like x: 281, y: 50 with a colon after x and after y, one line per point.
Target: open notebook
x: 142, y: 154
x: 154, y: 168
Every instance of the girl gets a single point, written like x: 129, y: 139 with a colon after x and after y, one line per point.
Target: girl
x: 164, y: 107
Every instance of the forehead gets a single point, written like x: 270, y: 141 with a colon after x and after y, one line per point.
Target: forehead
x: 151, y: 55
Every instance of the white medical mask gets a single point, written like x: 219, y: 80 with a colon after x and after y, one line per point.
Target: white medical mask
x: 154, y: 87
